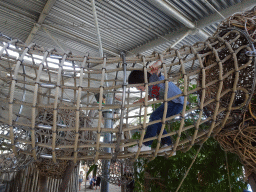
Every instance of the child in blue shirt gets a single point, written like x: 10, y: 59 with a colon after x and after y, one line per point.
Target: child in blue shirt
x: 156, y: 91
x: 92, y: 182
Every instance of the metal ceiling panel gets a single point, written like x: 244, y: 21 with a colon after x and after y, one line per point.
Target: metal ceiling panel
x: 33, y: 7
x: 14, y: 26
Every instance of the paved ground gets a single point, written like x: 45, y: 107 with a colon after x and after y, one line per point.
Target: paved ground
x: 112, y: 188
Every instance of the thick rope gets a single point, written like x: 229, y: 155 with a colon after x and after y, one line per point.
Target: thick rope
x: 221, y: 59
x: 227, y: 170
x: 189, y: 167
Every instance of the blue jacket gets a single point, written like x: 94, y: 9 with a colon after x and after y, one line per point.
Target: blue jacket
x: 157, y: 91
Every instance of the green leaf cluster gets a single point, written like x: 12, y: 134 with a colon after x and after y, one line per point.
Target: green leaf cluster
x: 208, y: 173
x: 93, y: 168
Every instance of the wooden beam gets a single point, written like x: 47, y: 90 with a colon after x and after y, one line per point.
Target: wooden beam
x: 40, y: 21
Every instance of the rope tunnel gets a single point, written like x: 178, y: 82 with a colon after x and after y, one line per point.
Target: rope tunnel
x: 53, y: 106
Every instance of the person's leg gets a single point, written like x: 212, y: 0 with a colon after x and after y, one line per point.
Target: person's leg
x: 173, y: 109
x: 152, y: 130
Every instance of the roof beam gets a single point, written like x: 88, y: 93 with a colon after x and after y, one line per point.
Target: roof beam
x: 169, y: 10
x: 86, y: 42
x: 239, y: 7
x: 40, y: 21
x: 97, y: 27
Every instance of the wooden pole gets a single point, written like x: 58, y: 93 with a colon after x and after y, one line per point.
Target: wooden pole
x: 67, y: 175
x: 42, y: 183
x: 123, y: 188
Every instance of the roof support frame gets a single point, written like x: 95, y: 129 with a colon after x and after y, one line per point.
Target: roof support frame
x: 214, y: 18
x: 168, y: 9
x: 97, y: 27
x: 79, y: 38
x: 49, y: 4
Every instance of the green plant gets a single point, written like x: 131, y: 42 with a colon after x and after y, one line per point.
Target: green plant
x: 208, y: 173
x: 92, y: 168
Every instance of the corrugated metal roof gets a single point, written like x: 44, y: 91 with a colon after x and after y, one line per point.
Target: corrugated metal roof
x: 124, y: 25
x: 33, y: 7
x: 198, y: 9
x: 189, y: 40
x: 13, y: 25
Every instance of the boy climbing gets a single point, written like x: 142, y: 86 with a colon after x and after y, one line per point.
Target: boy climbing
x: 157, y: 91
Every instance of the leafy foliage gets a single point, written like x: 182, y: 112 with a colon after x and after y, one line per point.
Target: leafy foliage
x: 92, y: 168
x: 209, y: 172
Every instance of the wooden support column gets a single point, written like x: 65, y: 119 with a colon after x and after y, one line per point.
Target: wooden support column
x: 67, y: 176
x: 42, y: 183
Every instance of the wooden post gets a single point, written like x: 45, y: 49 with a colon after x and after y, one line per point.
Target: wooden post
x: 42, y: 183
x: 26, y: 181
x: 67, y: 176
x: 33, y: 180
x: 123, y: 184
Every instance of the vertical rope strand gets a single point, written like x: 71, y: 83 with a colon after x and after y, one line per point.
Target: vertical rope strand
x: 214, y: 118
x: 145, y: 108
x: 77, y: 123
x: 166, y: 81
x: 37, y: 82
x: 122, y: 107
x: 12, y: 89
x: 184, y: 177
x: 55, y: 108
x: 100, y: 109
x: 234, y: 84
x: 226, y: 157
x: 201, y: 99
x: 182, y: 123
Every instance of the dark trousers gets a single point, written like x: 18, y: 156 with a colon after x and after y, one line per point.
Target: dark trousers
x: 153, y: 130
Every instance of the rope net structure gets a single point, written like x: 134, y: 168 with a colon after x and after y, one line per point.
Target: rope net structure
x: 120, y: 172
x: 28, y: 178
x: 52, y: 104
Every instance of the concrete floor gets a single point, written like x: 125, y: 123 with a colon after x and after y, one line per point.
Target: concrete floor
x: 112, y: 188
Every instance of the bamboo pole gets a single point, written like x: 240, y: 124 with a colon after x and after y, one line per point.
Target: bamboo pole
x: 43, y: 183
x: 55, y: 109
x: 165, y: 108
x: 78, y: 108
x: 145, y: 108
x: 100, y: 109
x: 67, y: 177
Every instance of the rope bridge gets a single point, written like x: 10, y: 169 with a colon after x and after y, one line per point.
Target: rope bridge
x: 49, y: 109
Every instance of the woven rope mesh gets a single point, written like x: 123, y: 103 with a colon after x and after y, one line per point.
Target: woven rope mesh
x: 65, y: 119
x: 120, y: 172
x: 239, y: 136
x: 49, y: 106
x: 11, y: 163
x: 242, y: 141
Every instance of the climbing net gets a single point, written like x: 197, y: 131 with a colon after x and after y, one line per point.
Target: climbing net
x: 11, y: 163
x: 238, y: 135
x: 49, y: 107
x: 241, y: 139
x: 119, y: 172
